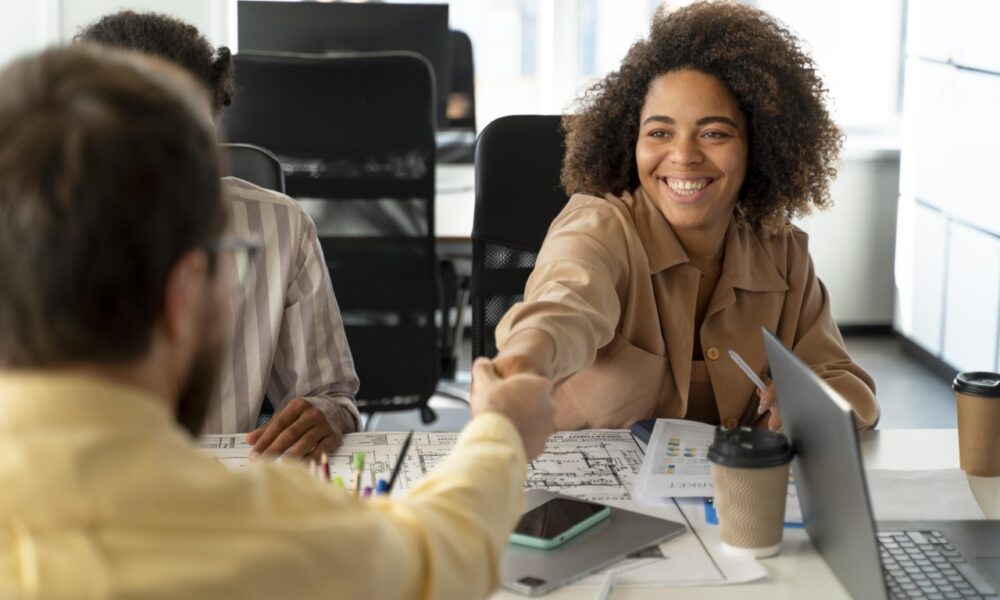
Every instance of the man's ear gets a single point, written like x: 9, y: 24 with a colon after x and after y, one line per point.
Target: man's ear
x: 183, y: 297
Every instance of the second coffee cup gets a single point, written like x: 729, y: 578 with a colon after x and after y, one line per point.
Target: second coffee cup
x: 977, y: 395
x: 750, y: 474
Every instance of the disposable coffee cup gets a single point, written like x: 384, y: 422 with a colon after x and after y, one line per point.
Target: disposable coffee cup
x: 977, y: 395
x: 750, y: 473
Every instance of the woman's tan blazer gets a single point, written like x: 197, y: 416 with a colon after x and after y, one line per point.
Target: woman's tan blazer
x: 613, y: 288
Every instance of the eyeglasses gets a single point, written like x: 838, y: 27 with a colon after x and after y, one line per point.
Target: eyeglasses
x: 243, y: 251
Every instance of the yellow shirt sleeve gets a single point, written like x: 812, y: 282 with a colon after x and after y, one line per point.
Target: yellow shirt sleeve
x: 444, y: 539
x: 461, y: 515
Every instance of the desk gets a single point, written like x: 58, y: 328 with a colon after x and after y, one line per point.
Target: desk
x: 799, y: 572
x: 454, y: 203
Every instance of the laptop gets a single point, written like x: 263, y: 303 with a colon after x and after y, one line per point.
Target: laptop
x: 912, y: 559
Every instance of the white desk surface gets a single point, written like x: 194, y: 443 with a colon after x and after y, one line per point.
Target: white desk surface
x: 454, y: 202
x: 798, y: 571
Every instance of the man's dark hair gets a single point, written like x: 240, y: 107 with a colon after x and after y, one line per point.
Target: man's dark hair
x: 172, y: 39
x: 109, y: 173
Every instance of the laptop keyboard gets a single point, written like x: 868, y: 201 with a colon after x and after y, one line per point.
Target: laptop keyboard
x: 922, y: 564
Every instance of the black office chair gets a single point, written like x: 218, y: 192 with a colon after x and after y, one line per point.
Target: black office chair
x: 463, y: 80
x: 355, y: 135
x: 256, y: 165
x: 518, y: 159
x: 457, y: 136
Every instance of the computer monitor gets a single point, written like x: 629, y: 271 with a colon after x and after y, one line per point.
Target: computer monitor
x: 321, y: 27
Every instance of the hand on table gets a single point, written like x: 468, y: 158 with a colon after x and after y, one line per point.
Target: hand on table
x: 525, y: 399
x: 769, y: 402
x: 300, y: 430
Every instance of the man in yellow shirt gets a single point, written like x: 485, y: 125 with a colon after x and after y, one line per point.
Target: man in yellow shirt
x: 110, y: 300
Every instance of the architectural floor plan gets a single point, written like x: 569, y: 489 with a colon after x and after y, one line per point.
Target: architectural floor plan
x: 597, y: 465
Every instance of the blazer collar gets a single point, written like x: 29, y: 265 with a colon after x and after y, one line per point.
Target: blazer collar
x: 663, y: 249
x: 747, y: 265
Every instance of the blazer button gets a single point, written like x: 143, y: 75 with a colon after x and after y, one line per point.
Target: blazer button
x: 712, y: 353
x: 731, y: 423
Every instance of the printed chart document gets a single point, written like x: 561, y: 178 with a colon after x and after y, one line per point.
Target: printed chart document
x: 676, y: 462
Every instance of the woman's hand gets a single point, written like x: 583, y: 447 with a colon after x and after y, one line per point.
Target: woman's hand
x: 769, y: 402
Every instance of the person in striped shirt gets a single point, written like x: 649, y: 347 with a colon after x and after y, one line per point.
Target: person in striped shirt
x: 288, y: 341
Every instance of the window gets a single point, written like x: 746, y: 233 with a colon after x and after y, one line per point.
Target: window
x: 537, y: 56
x: 858, y: 47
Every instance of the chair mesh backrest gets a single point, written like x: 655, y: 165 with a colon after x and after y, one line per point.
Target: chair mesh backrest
x: 497, y: 261
x: 518, y: 159
x: 355, y: 135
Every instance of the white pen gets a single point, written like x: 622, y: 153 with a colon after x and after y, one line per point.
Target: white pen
x: 747, y: 370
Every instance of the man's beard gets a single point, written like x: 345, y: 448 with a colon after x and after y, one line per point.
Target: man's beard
x: 195, y: 395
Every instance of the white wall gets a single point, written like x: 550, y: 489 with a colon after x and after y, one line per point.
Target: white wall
x: 27, y: 26
x: 852, y: 244
x: 856, y: 45
x: 948, y: 255
x: 30, y: 25
x: 211, y: 17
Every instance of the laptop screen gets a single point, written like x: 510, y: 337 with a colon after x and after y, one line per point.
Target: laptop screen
x: 829, y: 474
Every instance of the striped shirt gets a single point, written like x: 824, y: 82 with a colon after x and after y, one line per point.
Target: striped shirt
x: 288, y: 337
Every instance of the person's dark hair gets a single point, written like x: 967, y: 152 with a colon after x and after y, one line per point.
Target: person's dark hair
x: 173, y: 40
x: 109, y: 173
x: 793, y: 142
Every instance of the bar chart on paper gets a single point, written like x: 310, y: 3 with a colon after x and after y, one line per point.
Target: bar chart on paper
x: 676, y: 462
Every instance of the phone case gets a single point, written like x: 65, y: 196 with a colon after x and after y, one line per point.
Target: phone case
x: 562, y: 538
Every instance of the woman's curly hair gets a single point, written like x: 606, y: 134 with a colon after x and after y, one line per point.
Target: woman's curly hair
x: 793, y: 142
x: 172, y: 39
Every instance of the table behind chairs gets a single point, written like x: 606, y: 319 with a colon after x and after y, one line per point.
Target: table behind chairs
x: 455, y: 205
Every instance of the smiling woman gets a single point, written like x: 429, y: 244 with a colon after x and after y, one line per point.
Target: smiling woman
x: 685, y: 166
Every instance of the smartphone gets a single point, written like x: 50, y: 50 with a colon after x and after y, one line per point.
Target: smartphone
x: 556, y: 521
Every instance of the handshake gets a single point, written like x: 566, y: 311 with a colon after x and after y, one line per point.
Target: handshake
x: 524, y: 398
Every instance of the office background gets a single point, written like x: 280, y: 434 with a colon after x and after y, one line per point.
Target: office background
x: 912, y: 246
